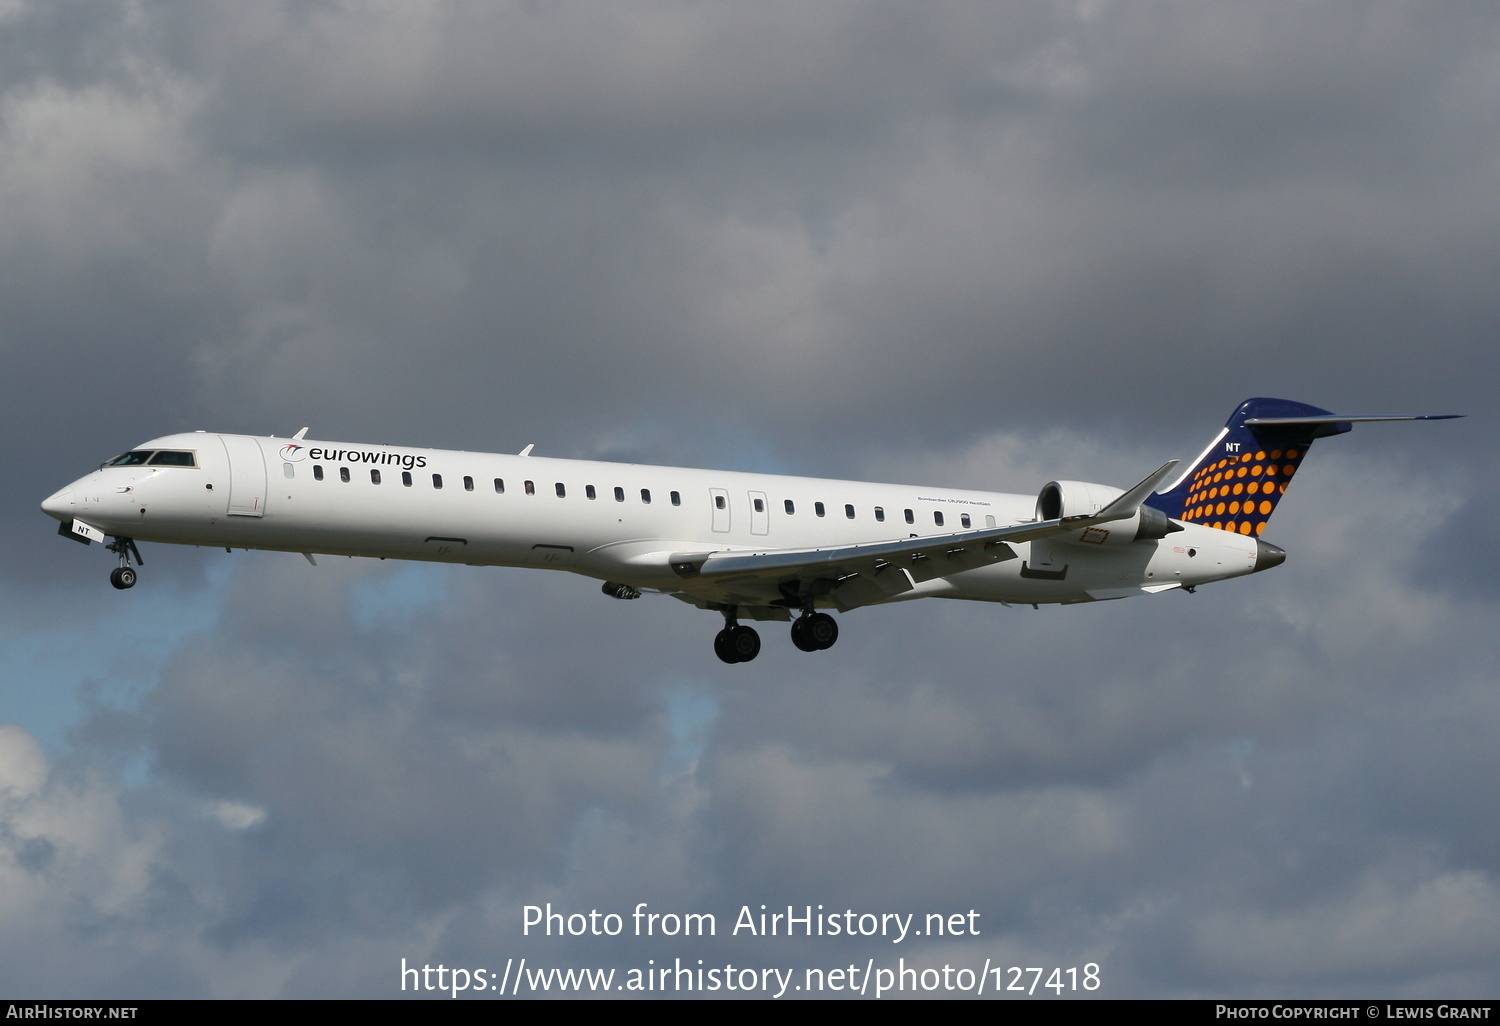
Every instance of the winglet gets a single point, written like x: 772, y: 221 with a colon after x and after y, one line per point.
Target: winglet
x: 300, y: 435
x: 527, y: 451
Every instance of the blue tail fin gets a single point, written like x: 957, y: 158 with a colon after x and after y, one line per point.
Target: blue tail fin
x: 1237, y: 482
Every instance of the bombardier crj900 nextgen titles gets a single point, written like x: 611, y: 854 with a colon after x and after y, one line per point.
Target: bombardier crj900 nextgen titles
x: 747, y: 546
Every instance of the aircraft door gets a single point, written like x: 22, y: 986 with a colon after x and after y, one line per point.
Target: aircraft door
x: 247, y: 476
x: 760, y: 515
x: 719, y: 501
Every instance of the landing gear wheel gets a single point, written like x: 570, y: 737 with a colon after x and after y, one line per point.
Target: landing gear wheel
x: 123, y: 576
x: 744, y: 642
x: 823, y: 630
x: 737, y: 644
x: 813, y: 632
x: 721, y: 646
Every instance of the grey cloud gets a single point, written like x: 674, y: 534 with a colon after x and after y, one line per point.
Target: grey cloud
x: 954, y: 244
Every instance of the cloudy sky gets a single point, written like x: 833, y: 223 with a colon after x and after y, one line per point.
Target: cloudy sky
x: 963, y: 243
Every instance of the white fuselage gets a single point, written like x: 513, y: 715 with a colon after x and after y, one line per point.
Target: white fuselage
x: 615, y: 522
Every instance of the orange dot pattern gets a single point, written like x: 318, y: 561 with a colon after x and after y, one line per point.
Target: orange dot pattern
x: 1238, y: 493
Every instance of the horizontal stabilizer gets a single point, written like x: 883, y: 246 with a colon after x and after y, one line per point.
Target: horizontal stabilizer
x: 1334, y: 418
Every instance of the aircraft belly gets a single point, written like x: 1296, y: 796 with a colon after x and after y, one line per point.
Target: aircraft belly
x: 1064, y: 574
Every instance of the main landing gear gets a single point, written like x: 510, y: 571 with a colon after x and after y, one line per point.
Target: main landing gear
x: 736, y: 643
x: 811, y: 632
x: 123, y: 576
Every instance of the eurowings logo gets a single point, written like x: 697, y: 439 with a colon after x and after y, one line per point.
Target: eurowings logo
x: 294, y: 453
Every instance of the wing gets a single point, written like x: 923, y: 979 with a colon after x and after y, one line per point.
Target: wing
x: 856, y: 575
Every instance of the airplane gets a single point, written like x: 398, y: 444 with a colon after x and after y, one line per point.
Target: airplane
x: 746, y: 546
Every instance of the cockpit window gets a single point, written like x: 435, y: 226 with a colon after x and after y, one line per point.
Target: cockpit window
x: 162, y: 458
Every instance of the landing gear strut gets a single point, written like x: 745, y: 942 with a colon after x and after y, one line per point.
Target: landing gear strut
x: 123, y: 576
x: 813, y: 632
x: 736, y: 643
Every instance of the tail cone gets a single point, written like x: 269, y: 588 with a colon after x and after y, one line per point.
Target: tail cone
x: 1267, y: 556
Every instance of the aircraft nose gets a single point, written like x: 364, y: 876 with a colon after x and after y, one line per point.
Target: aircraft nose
x: 1267, y: 556
x: 59, y: 504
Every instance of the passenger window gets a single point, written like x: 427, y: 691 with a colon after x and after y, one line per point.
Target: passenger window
x: 646, y: 496
x: 989, y: 521
x: 406, y: 478
x: 562, y: 493
x: 879, y: 514
x: 937, y: 517
x: 288, y: 471
x: 849, y: 511
x: 530, y: 488
x: 499, y: 486
x: 468, y: 484
x: 818, y: 508
x: 437, y: 480
x: 676, y: 499
x: 910, y: 519
x: 790, y: 509
x: 964, y: 520
x: 374, y: 476
x: 718, y: 502
x: 317, y: 471
x: 760, y: 505
x: 589, y: 491
x: 619, y: 495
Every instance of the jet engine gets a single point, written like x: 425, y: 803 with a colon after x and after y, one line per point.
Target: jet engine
x: 1059, y: 499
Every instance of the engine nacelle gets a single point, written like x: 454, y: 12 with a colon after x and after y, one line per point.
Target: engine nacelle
x: 1059, y: 499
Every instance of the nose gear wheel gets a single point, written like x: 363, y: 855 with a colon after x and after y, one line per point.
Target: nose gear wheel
x: 123, y: 576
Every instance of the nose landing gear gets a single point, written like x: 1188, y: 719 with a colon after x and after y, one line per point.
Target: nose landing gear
x: 123, y: 576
